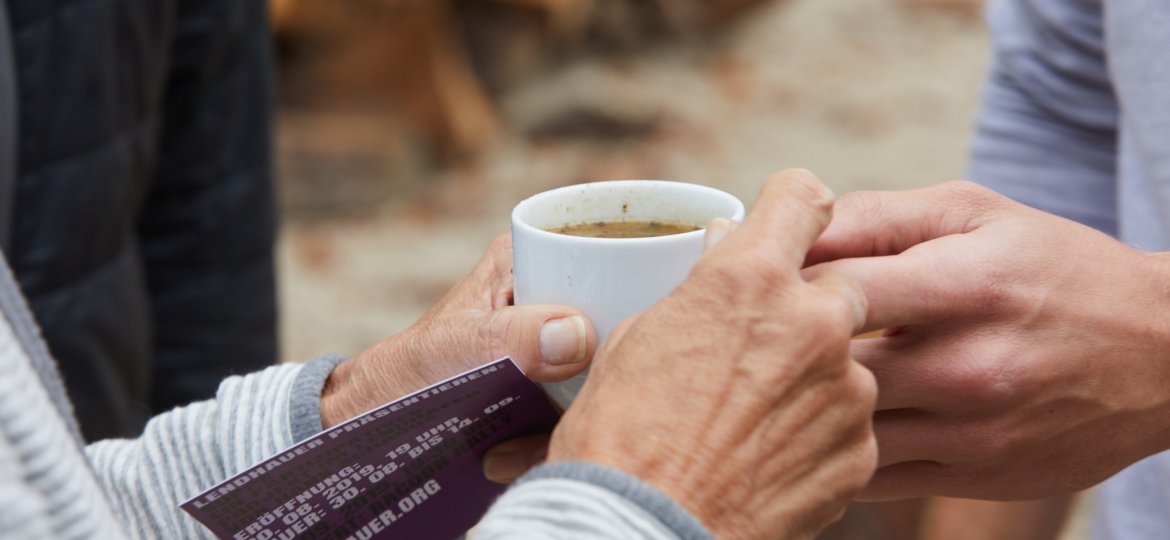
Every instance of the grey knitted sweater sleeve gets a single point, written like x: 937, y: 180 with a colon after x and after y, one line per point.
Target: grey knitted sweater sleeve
x: 184, y: 451
x: 132, y: 487
x: 254, y: 417
x: 584, y: 501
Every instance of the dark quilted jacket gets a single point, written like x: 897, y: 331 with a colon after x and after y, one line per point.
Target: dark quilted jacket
x: 138, y: 212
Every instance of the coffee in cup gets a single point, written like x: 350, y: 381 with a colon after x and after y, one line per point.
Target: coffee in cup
x: 625, y: 228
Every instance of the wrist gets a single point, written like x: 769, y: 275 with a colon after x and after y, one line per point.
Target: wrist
x: 305, y: 396
x: 1157, y: 314
x: 633, y: 490
x: 377, y: 375
x: 336, y: 396
x: 1157, y: 300
x: 668, y: 470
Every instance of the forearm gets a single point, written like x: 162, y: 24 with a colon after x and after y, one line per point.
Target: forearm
x: 574, y: 500
x: 253, y: 417
x: 188, y: 449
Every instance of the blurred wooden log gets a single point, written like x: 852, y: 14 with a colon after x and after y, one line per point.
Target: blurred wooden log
x: 567, y: 18
x: 465, y: 110
x: 408, y: 54
x: 433, y: 62
x: 279, y: 12
x: 694, y: 15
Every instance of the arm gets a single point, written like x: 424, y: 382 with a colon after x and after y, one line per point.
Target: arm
x: 207, y: 227
x: 1028, y: 352
x: 253, y: 417
x: 22, y: 507
x: 1047, y: 133
x: 188, y: 449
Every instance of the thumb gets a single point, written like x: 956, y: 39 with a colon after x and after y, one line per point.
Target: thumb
x: 547, y: 342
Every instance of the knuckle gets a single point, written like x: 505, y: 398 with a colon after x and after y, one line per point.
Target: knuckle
x: 803, y: 182
x: 752, y: 270
x: 840, y: 310
x: 502, y: 242
x: 969, y: 381
x: 809, y: 180
x: 858, y: 462
x: 863, y: 387
x: 866, y: 459
x: 821, y: 211
x: 830, y: 318
x: 965, y: 188
x: 993, y: 291
x: 818, y: 350
x: 821, y: 341
x: 802, y: 173
x: 856, y: 393
x: 970, y: 195
x: 980, y: 383
x: 497, y: 257
x: 828, y: 338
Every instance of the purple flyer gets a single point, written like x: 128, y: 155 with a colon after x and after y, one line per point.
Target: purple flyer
x: 408, y: 469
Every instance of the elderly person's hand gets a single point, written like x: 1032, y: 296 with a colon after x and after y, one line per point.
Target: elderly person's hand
x: 473, y: 324
x: 735, y: 395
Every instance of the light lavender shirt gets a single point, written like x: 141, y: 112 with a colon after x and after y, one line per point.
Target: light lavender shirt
x: 1076, y: 121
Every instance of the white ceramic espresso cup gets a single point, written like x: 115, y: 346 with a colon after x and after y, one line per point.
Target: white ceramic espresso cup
x: 609, y: 279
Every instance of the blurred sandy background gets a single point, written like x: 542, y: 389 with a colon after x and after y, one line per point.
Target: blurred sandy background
x: 380, y: 217
x: 409, y: 128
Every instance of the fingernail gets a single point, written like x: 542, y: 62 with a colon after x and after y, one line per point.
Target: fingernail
x: 716, y: 230
x: 505, y: 466
x: 563, y: 341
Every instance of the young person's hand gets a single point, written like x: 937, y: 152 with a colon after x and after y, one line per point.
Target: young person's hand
x: 1026, y: 355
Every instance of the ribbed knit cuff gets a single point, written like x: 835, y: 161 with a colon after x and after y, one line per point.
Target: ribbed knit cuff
x: 634, y: 490
x: 305, y: 398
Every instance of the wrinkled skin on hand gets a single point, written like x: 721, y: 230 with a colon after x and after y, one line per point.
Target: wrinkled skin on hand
x: 473, y: 324
x: 736, y: 395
